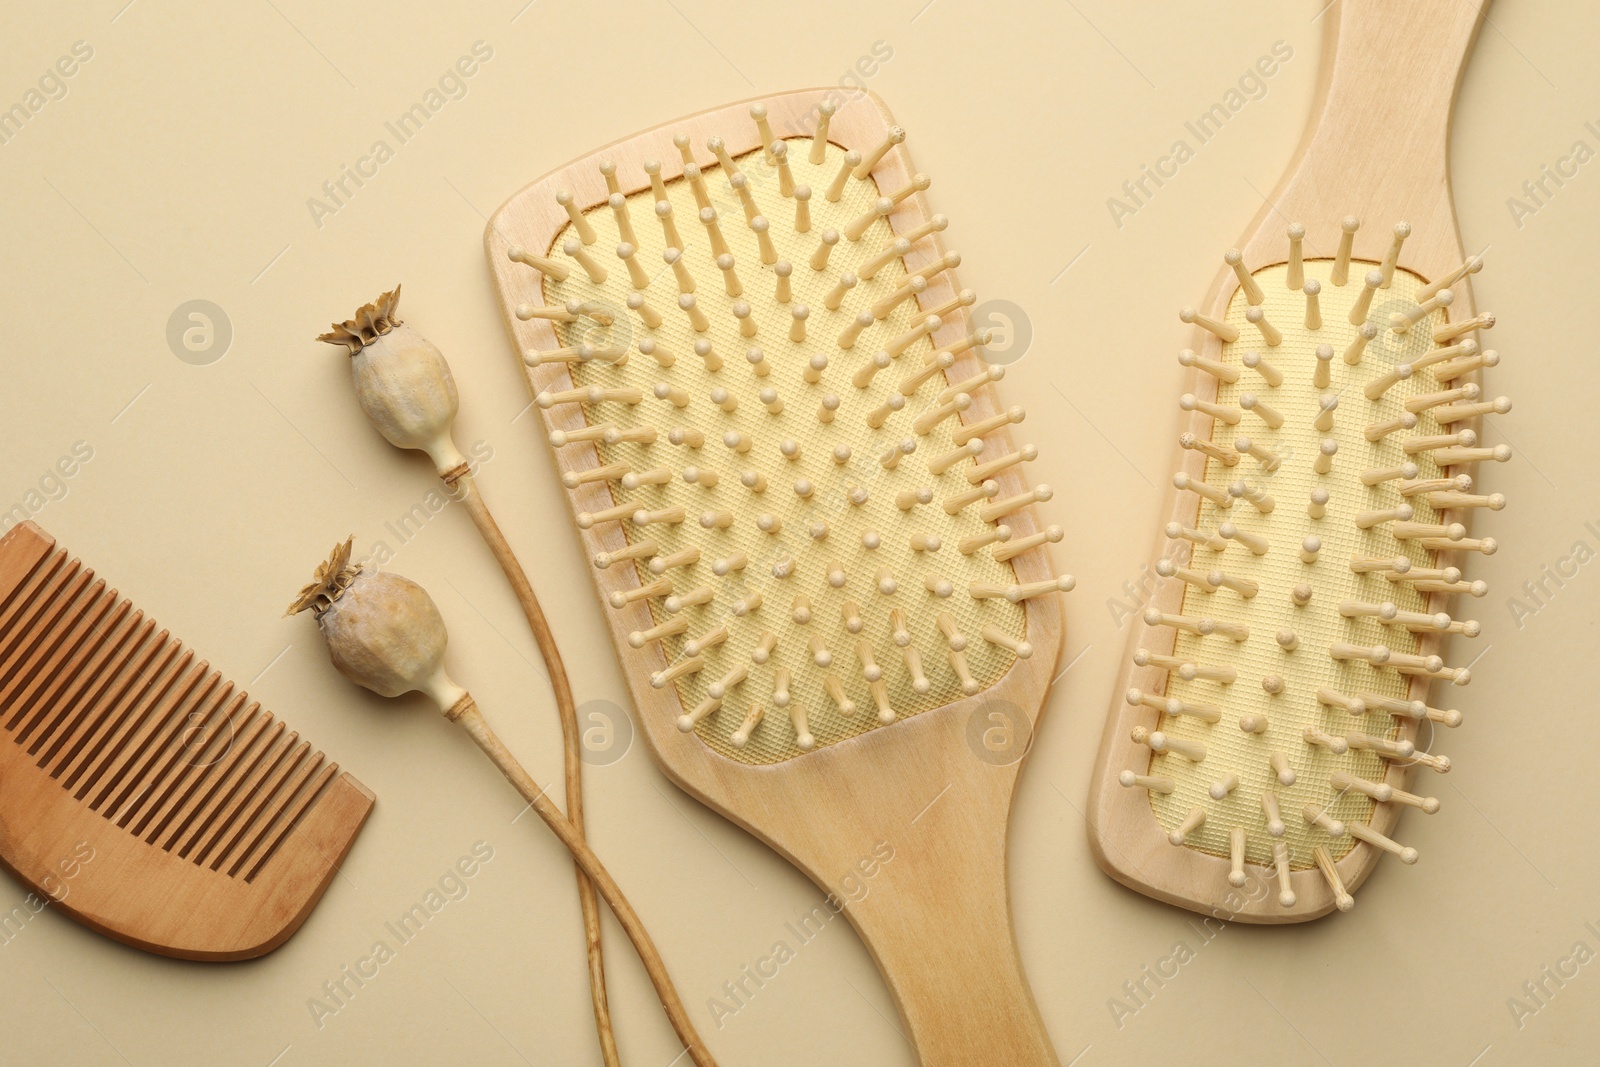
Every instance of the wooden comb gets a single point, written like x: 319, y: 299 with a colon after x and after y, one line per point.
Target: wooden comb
x: 214, y: 829
x: 787, y: 460
x: 1262, y: 738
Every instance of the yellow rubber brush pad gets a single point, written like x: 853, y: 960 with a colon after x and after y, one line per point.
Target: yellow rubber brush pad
x: 1319, y: 624
x: 773, y: 740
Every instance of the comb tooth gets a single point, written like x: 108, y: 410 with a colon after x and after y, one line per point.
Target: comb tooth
x: 290, y: 773
x: 621, y: 598
x: 137, y: 720
x: 193, y: 733
x: 276, y: 813
x: 626, y: 251
x: 96, y: 682
x: 847, y: 338
x: 894, y: 250
x: 1280, y: 767
x: 1173, y: 706
x: 205, y: 770
x: 1165, y: 568
x: 825, y: 242
x: 1217, y: 495
x: 1256, y: 496
x: 1252, y: 290
x: 552, y: 313
x: 836, y: 693
x: 619, y: 208
x: 1427, y: 805
x: 1227, y: 531
x: 188, y: 803
x: 213, y: 841
x: 37, y: 628
x: 98, y: 613
x: 975, y: 430
x: 113, y: 707
x: 127, y: 780
x: 225, y: 786
x: 287, y: 819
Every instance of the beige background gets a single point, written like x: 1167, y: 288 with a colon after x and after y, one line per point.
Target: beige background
x: 178, y: 166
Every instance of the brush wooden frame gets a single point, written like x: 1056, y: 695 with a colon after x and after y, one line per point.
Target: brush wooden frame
x: 937, y: 920
x: 1376, y: 146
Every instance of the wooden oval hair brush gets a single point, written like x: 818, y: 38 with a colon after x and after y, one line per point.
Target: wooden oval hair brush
x: 814, y: 538
x: 1264, y: 735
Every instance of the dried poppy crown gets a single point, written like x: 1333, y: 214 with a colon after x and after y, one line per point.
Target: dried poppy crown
x: 797, y: 438
x: 1315, y: 571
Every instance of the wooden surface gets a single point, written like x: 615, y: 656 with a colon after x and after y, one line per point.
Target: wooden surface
x: 161, y: 809
x: 1376, y: 147
x: 939, y: 927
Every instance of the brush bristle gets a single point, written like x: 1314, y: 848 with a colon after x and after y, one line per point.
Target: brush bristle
x: 1317, y: 569
x: 766, y: 391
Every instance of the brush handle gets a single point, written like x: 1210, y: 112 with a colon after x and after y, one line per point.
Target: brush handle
x: 938, y: 923
x: 912, y: 843
x: 1378, y: 141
